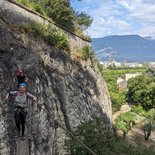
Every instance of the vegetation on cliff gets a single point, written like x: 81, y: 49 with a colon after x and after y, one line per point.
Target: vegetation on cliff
x: 49, y: 33
x: 61, y: 12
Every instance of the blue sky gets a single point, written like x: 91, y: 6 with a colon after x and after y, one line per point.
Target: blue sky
x: 119, y: 17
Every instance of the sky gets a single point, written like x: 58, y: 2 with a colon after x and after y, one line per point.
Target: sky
x: 119, y: 17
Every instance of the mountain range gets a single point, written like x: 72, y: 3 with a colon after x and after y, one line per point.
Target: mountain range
x: 124, y: 48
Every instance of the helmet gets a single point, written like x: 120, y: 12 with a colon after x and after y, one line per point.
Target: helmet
x: 22, y: 85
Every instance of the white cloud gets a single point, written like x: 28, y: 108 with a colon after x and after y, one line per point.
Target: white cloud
x: 121, y: 17
x: 126, y: 5
x: 107, y: 26
x: 148, y: 31
x: 118, y: 23
x: 143, y: 10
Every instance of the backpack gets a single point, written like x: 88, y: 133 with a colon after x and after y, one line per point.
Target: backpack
x: 24, y: 93
x: 15, y: 104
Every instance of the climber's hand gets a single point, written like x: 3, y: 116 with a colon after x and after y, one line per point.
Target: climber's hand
x: 34, y: 99
x: 6, y: 98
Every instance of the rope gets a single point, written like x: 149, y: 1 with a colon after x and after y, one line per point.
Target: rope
x: 68, y: 132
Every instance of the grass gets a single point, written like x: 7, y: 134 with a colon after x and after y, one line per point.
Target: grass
x: 49, y: 33
x: 85, y: 53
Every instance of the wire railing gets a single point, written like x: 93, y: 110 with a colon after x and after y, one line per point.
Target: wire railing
x: 59, y: 124
x: 71, y: 135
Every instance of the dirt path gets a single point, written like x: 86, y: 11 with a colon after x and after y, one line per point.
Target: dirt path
x: 22, y: 146
x: 139, y: 131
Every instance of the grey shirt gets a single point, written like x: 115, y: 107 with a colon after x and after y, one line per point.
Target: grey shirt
x: 21, y: 98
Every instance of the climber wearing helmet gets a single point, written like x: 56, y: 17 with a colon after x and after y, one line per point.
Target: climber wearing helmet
x: 20, y: 106
x: 20, y: 78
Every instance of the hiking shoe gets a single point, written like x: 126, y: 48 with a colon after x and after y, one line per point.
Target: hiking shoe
x: 23, y: 138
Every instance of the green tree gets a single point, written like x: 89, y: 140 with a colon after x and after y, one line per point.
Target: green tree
x: 149, y: 123
x: 151, y: 72
x: 124, y: 122
x: 136, y: 86
x: 60, y: 11
x: 118, y: 98
x: 138, y: 110
x: 104, y: 142
x: 141, y: 91
x: 83, y: 19
x: 92, y: 133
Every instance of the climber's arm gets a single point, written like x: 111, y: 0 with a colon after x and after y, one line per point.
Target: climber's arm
x: 10, y: 93
x: 26, y: 79
x: 15, y: 79
x: 31, y: 96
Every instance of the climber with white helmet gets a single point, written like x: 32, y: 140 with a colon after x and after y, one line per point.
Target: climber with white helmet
x: 20, y: 106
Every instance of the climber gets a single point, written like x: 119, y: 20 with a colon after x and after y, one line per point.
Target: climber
x: 20, y: 106
x: 20, y: 78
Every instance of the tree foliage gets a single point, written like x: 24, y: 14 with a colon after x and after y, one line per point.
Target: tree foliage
x: 124, y: 122
x: 151, y: 72
x: 103, y: 142
x: 118, y: 98
x: 141, y: 91
x: 138, y: 110
x: 149, y: 123
x: 83, y: 19
x: 61, y: 12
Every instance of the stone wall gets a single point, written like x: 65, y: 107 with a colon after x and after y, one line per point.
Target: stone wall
x: 15, y: 14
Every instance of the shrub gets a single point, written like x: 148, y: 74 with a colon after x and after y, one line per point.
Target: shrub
x: 49, y: 33
x: 100, y: 67
x: 138, y: 110
x: 87, y: 53
x: 38, y: 8
x: 149, y: 123
x: 24, y: 2
x: 124, y: 122
x: 103, y: 142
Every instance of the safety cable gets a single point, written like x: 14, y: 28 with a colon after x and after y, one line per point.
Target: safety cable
x: 68, y: 132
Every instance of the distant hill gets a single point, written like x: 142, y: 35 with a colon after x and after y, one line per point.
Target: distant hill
x: 125, y: 47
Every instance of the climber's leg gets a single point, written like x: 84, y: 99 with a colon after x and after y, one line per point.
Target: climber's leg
x: 23, y: 120
x: 17, y: 120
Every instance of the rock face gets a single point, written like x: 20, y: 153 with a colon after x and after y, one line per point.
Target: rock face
x: 67, y: 89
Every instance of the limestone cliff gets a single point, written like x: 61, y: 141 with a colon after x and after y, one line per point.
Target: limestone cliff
x: 67, y: 89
